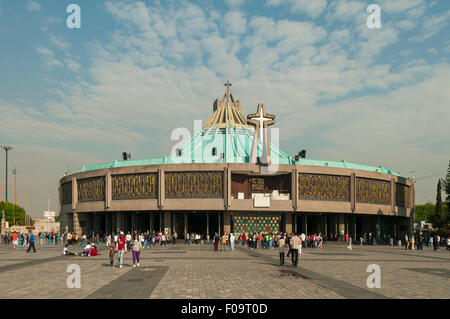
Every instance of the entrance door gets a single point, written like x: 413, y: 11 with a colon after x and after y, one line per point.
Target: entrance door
x: 197, y: 223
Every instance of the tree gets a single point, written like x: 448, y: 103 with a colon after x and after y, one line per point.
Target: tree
x: 438, y: 218
x: 12, y: 210
x: 447, y: 192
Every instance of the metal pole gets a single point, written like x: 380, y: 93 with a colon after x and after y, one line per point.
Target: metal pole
x: 6, y: 186
x: 15, y: 196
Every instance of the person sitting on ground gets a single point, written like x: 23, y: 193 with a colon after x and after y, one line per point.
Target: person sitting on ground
x: 67, y: 252
x: 93, y: 251
x: 87, y: 250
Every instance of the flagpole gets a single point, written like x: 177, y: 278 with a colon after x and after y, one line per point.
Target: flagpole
x: 15, y: 195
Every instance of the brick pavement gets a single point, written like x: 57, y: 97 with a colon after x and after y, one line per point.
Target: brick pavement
x: 198, y: 272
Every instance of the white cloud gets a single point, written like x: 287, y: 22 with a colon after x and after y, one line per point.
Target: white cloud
x: 33, y: 6
x: 48, y: 57
x: 346, y: 10
x: 310, y: 8
x: 235, y: 22
x: 235, y: 3
x: 399, y: 6
x: 59, y: 42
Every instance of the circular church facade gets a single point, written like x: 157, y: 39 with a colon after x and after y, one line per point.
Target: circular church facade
x: 231, y: 177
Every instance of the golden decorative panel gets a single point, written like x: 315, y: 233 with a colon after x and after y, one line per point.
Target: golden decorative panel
x: 373, y: 191
x: 323, y: 187
x: 194, y: 184
x: 91, y: 189
x: 134, y: 186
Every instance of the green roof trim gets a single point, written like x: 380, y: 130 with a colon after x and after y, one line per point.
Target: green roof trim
x: 232, y: 145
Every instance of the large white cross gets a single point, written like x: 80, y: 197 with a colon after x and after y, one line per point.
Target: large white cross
x: 261, y: 120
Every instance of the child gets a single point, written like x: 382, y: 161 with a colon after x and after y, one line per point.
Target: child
x: 67, y: 252
x: 111, y: 255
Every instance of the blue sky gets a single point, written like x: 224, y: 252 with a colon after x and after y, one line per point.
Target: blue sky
x: 136, y: 70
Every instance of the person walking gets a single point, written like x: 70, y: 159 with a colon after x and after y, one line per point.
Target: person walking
x: 232, y: 239
x: 349, y: 242
x: 216, y: 242
x: 121, y: 246
x: 174, y: 238
x: 31, y: 243
x: 223, y: 243
x: 112, y: 253
x: 406, y: 242
x: 419, y: 243
x: 303, y: 239
x: 295, y: 243
x: 288, y: 244
x: 281, y: 249
x: 136, y: 249
x: 128, y: 239
x: 448, y: 243
x: 15, y: 240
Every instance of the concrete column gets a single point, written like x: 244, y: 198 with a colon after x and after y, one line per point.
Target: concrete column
x: 346, y: 223
x: 220, y: 231
x: 167, y: 220
x: 76, y: 224
x: 341, y: 222
x: 108, y: 189
x: 226, y: 222
x: 326, y: 226
x: 174, y: 222
x: 161, y: 188
x: 354, y: 227
x: 207, y: 222
x: 336, y: 227
x: 133, y: 222
x: 295, y: 223
x: 378, y: 227
x: 294, y: 191
x: 305, y: 223
x: 185, y: 224
x: 393, y: 196
x: 94, y: 222
x: 288, y: 221
x: 118, y: 221
x: 74, y: 193
x: 227, y: 187
x: 353, y: 191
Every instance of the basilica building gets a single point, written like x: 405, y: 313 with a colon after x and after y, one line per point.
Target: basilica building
x: 231, y: 176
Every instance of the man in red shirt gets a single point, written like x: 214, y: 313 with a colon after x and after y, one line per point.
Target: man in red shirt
x: 121, y: 248
x: 15, y: 238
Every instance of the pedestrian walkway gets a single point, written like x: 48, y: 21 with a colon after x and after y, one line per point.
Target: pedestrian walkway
x: 184, y: 271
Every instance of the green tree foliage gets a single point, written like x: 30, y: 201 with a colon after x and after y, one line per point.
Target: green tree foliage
x: 447, y: 192
x: 424, y: 212
x: 438, y: 218
x: 12, y: 210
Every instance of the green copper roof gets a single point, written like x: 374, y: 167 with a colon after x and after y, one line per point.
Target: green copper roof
x: 232, y: 145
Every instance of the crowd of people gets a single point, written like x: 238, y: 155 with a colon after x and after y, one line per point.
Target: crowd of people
x: 148, y: 239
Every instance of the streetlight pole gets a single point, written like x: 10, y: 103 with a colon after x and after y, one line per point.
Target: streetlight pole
x: 6, y: 148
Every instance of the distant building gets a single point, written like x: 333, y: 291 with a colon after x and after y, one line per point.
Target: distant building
x: 41, y: 225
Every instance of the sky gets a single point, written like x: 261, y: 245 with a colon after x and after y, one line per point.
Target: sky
x: 136, y: 70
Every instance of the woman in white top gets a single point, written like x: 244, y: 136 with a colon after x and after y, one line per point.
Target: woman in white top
x: 136, y: 249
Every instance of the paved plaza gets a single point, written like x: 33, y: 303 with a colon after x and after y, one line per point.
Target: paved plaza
x: 187, y: 272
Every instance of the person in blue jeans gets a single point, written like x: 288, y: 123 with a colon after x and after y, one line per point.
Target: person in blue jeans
x: 31, y: 243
